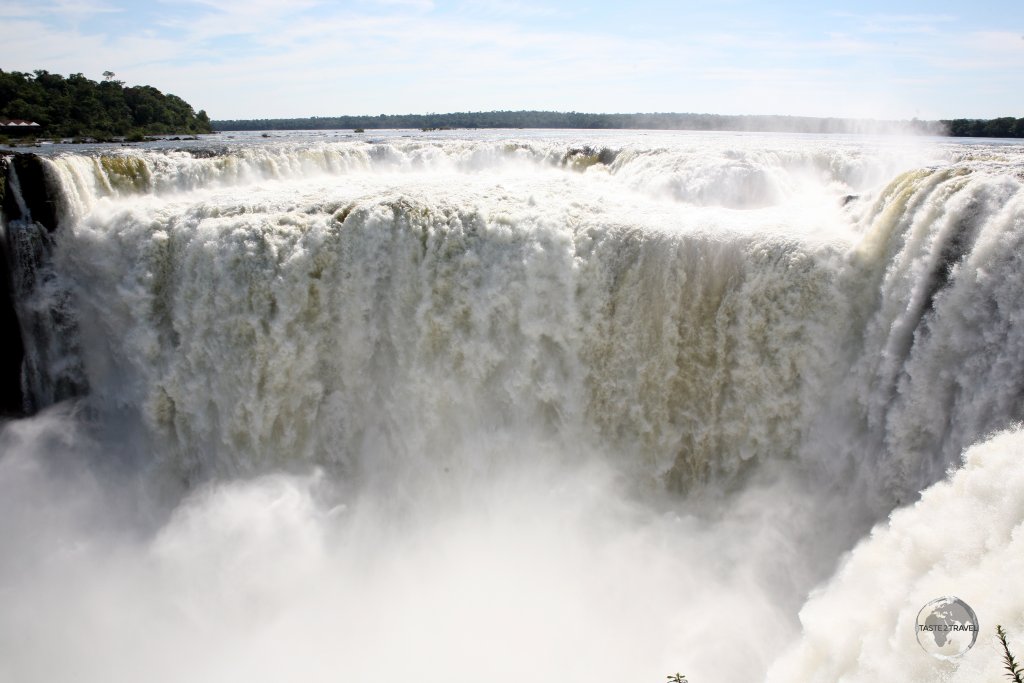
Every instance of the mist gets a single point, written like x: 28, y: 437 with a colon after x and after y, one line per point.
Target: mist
x: 529, y: 567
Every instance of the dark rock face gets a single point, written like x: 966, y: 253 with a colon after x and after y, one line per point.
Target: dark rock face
x: 12, y: 351
x: 35, y: 192
x: 40, y: 361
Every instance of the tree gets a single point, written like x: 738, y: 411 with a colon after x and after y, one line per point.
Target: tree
x: 76, y: 105
x: 1014, y: 671
x: 999, y: 128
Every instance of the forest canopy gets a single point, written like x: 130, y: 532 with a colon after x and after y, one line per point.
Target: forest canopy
x: 77, y: 106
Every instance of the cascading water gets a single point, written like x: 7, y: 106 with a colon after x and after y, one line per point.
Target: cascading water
x: 51, y: 370
x: 531, y: 409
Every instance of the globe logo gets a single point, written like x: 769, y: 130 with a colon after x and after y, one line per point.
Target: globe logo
x: 947, y: 627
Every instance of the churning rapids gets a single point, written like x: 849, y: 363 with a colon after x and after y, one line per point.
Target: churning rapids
x: 508, y: 407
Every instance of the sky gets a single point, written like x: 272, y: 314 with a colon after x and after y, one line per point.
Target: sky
x: 296, y: 58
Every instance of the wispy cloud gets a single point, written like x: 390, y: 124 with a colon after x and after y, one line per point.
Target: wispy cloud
x: 514, y: 8
x: 63, y: 9
x: 1005, y: 42
x: 896, y: 23
x: 416, y: 5
x: 255, y: 58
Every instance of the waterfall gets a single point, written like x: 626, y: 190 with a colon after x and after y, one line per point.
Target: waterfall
x: 50, y: 366
x: 701, y: 329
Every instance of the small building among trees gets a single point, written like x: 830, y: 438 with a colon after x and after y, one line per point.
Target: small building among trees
x: 11, y: 127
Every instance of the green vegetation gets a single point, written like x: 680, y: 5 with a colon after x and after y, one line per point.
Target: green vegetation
x: 1004, y: 127
x: 554, y: 119
x: 677, y: 678
x: 1014, y: 671
x: 76, y: 106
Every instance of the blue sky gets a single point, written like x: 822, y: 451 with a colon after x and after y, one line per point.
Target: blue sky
x: 273, y: 58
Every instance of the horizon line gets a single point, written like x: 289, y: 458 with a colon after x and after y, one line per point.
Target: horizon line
x: 608, y: 114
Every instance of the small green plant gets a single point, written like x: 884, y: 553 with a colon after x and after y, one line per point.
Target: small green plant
x: 676, y: 678
x: 1014, y: 671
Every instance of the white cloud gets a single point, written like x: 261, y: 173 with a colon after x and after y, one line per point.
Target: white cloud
x: 417, y: 5
x: 895, y: 23
x: 62, y: 9
x: 1007, y: 42
x: 265, y: 58
x: 513, y: 8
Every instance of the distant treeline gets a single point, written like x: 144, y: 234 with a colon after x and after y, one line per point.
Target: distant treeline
x: 553, y: 119
x: 1006, y: 127
x: 77, y: 106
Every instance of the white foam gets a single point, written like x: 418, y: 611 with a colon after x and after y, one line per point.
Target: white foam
x: 965, y: 537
